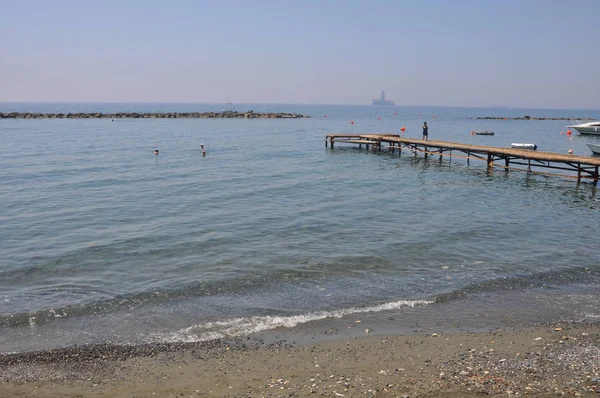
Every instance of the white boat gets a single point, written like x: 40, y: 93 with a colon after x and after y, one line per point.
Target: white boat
x: 595, y: 148
x: 587, y: 128
x: 533, y: 147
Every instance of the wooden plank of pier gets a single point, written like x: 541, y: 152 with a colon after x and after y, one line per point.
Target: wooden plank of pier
x: 584, y: 166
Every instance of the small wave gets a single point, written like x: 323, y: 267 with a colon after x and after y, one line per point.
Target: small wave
x: 524, y: 280
x: 244, y: 326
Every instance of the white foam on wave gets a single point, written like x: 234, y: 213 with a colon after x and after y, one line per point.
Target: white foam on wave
x: 244, y: 326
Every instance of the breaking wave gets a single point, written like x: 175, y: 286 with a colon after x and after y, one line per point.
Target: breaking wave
x: 247, y: 325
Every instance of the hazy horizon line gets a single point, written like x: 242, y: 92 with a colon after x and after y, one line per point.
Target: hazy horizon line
x: 294, y: 103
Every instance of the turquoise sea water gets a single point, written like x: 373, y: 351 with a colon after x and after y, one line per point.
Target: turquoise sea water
x: 101, y: 240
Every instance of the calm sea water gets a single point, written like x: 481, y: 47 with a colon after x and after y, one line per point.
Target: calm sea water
x: 101, y: 240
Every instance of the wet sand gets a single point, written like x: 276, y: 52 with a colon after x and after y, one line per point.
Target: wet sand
x: 544, y: 361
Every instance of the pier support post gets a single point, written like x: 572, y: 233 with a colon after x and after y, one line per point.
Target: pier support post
x: 528, y: 165
x: 578, y: 172
x: 506, y: 163
x: 490, y: 162
x: 331, y: 142
x: 468, y: 158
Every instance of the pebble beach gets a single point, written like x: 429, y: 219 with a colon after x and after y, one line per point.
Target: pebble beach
x: 542, y: 361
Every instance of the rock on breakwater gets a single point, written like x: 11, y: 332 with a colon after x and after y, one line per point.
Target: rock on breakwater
x: 154, y: 115
x: 530, y: 118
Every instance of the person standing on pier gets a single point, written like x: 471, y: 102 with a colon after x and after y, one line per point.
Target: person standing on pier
x: 425, y: 131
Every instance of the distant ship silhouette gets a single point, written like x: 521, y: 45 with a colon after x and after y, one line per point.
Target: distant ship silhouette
x: 382, y: 100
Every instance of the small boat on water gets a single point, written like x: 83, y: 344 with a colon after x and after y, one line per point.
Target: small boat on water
x: 595, y: 148
x: 517, y: 145
x: 483, y: 132
x: 592, y: 128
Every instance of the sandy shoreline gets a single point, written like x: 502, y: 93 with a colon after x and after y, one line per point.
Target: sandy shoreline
x: 540, y: 361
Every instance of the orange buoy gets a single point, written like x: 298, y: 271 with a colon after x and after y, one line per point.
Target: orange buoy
x: 325, y: 115
x: 402, y: 128
x: 352, y: 122
x: 378, y: 118
x: 504, y: 119
x: 568, y: 132
x: 472, y: 132
x: 395, y: 113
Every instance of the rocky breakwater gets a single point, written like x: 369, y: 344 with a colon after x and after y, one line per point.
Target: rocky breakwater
x: 154, y: 115
x: 531, y: 118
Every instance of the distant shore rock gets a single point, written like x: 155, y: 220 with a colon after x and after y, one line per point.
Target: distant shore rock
x: 154, y: 115
x: 531, y: 118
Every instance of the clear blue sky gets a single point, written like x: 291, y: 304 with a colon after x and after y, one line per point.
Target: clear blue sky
x: 522, y: 53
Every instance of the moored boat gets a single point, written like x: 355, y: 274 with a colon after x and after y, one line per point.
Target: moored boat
x: 523, y: 146
x: 592, y: 128
x: 595, y: 148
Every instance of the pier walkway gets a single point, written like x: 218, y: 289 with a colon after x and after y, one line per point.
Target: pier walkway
x: 584, y: 167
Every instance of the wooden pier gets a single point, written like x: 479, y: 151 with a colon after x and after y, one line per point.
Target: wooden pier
x: 584, y: 167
